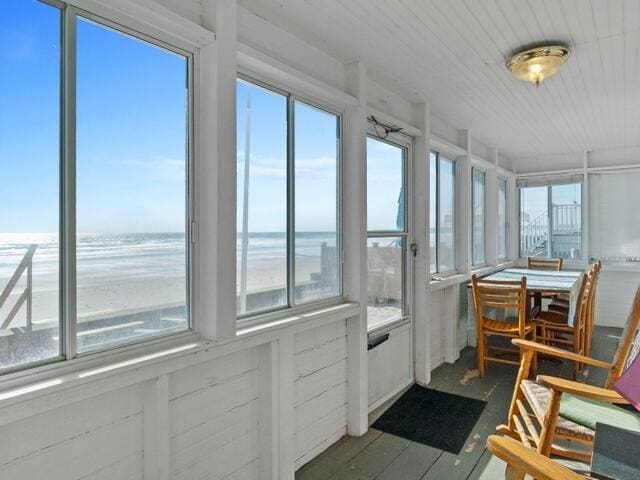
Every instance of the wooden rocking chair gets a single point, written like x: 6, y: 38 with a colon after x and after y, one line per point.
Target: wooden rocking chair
x: 521, y: 461
x: 553, y: 408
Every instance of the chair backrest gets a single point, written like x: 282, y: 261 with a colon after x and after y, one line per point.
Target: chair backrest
x: 501, y: 294
x: 629, y: 342
x: 582, y: 300
x: 591, y: 313
x: 544, y: 263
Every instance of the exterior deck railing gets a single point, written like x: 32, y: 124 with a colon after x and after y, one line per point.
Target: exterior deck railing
x: 564, y: 239
x: 26, y: 296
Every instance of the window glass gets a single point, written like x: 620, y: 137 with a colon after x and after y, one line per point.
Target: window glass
x: 551, y: 221
x: 566, y: 225
x: 262, y: 198
x: 385, y: 192
x: 433, y: 206
x: 534, y: 221
x: 385, y: 273
x: 502, y: 218
x: 131, y: 177
x: 316, y: 222
x: 446, y: 227
x: 478, y: 210
x: 29, y: 195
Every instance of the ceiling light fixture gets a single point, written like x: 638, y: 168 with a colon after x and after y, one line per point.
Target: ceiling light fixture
x: 536, y: 64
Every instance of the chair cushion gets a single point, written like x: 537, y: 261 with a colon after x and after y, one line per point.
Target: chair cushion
x: 578, y: 415
x: 586, y: 411
x: 538, y: 397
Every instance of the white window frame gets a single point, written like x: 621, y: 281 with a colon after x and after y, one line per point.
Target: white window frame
x: 504, y: 181
x: 452, y: 271
x: 291, y: 307
x: 583, y: 260
x: 69, y: 358
x: 404, y: 142
x: 482, y: 264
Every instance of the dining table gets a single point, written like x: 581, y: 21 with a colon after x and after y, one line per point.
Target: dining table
x: 544, y: 282
x: 539, y: 284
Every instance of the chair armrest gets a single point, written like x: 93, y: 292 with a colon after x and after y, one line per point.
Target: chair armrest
x: 558, y: 352
x: 523, y: 459
x: 581, y: 389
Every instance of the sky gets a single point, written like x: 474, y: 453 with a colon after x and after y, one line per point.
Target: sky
x: 131, y: 128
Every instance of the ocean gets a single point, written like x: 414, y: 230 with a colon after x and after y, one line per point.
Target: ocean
x: 138, y: 254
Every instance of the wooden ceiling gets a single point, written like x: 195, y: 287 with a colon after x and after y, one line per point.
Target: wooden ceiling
x: 451, y: 53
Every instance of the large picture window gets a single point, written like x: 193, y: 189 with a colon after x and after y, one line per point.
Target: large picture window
x: 478, y: 217
x: 551, y: 221
x: 287, y: 217
x: 442, y: 214
x: 99, y: 251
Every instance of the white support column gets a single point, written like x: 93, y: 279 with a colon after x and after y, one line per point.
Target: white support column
x: 268, y: 412
x: 586, y: 253
x: 354, y: 210
x: 421, y: 310
x: 463, y: 205
x: 286, y: 414
x: 216, y: 142
x: 491, y: 212
x: 513, y: 219
x: 157, y: 429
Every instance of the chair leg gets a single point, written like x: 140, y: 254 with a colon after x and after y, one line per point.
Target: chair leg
x: 511, y: 473
x: 481, y: 353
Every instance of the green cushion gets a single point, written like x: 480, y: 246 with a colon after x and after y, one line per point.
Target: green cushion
x: 587, y: 412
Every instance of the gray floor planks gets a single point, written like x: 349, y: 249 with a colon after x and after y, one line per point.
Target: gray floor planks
x: 381, y: 456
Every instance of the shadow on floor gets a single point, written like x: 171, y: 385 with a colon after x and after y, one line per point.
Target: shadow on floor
x: 382, y: 456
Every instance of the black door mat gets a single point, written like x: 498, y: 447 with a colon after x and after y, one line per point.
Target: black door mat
x: 437, y: 419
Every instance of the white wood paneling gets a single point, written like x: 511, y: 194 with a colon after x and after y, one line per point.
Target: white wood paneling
x: 320, y: 389
x: 97, y: 438
x: 452, y: 55
x: 615, y: 293
x: 390, y: 366
x: 214, y: 417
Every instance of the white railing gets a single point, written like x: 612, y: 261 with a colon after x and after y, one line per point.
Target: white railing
x: 534, y: 234
x: 566, y: 238
x: 26, y: 296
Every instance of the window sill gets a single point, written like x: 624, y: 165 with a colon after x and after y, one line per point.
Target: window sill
x: 77, y: 379
x: 388, y: 326
x: 287, y: 318
x: 449, y: 281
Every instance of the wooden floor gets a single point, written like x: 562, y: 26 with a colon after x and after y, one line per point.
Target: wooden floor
x: 382, y: 456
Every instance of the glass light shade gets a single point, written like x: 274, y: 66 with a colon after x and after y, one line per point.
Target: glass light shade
x: 537, y: 64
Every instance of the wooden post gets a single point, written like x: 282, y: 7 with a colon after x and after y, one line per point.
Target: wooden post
x: 355, y: 247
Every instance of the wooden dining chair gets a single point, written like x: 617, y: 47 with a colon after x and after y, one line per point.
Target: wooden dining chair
x: 551, y: 409
x: 522, y: 461
x: 554, y: 328
x: 535, y: 263
x: 561, y: 305
x: 495, y: 295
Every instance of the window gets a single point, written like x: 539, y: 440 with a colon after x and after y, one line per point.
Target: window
x: 502, y: 219
x: 29, y: 154
x: 124, y: 247
x: 387, y: 231
x: 551, y: 221
x: 478, y: 214
x: 131, y: 171
x: 288, y: 221
x: 442, y: 220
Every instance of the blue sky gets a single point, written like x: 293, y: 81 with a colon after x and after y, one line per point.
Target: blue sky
x: 131, y: 127
x: 316, y: 149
